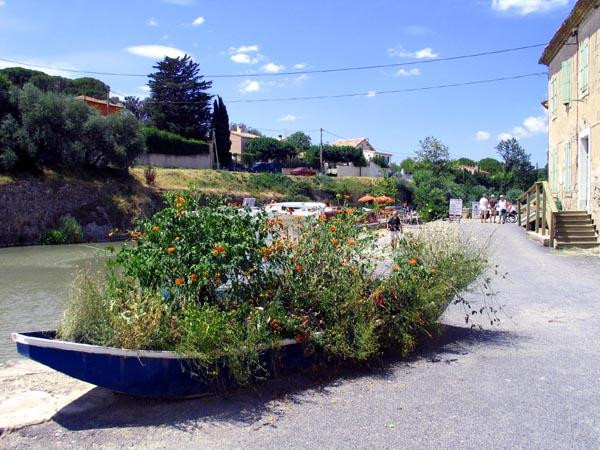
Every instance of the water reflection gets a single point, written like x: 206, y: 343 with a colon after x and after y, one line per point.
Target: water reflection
x: 34, y: 283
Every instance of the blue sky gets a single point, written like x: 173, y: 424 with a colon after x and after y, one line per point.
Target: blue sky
x: 249, y: 38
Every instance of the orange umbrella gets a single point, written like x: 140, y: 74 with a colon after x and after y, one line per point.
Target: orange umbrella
x: 366, y: 198
x: 384, y: 199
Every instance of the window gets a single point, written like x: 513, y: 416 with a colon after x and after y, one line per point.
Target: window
x: 554, y: 169
x: 553, y: 96
x: 567, y: 167
x: 584, y: 60
x: 566, y: 81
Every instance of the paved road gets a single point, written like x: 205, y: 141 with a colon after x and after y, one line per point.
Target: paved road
x: 532, y: 382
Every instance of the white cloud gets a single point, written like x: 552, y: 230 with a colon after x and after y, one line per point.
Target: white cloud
x: 482, y: 135
x: 250, y: 86
x: 272, y: 68
x: 301, y: 78
x: 2, y: 3
x: 244, y: 49
x: 155, y: 51
x: 144, y: 87
x: 371, y: 94
x: 524, y: 7
x: 531, y: 126
x: 288, y: 118
x: 299, y: 66
x: 408, y: 73
x: 425, y: 53
x: 151, y: 22
x: 198, y: 21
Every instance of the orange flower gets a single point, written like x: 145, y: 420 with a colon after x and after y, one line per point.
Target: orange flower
x: 332, y: 229
x: 395, y: 267
x: 218, y: 250
x: 171, y: 250
x: 322, y: 218
x: 194, y: 277
x: 179, y: 281
x: 351, y: 242
x: 302, y: 337
x: 350, y: 211
x: 335, y: 241
x: 155, y: 228
x: 412, y: 262
x: 298, y: 268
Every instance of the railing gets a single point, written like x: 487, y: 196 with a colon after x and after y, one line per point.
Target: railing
x: 540, y: 209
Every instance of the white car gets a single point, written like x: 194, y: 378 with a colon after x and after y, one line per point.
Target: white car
x: 299, y: 209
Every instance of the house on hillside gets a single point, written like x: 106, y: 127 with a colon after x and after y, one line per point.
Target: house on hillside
x: 472, y: 169
x: 573, y: 60
x: 105, y: 107
x: 372, y: 169
x: 239, y: 140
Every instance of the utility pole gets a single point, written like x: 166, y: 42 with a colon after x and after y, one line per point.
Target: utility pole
x: 107, y: 100
x: 321, y: 153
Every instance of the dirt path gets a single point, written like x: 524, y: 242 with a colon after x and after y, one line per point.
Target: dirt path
x: 531, y: 382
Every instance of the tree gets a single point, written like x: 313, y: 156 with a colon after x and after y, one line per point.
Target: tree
x: 268, y: 149
x: 465, y: 162
x: 380, y: 161
x: 433, y: 151
x: 299, y: 140
x: 491, y: 165
x: 179, y: 101
x: 220, y: 126
x: 514, y: 156
x: 136, y: 106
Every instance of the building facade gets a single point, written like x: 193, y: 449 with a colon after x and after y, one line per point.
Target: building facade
x: 368, y: 150
x: 573, y: 60
x: 105, y: 108
x: 239, y: 140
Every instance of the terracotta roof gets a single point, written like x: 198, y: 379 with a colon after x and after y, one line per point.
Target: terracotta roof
x: 243, y: 134
x: 579, y: 12
x: 351, y: 142
x: 87, y: 98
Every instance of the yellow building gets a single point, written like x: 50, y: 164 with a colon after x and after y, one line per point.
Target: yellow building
x: 573, y: 60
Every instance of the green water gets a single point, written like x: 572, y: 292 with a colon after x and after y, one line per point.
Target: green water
x: 34, y: 284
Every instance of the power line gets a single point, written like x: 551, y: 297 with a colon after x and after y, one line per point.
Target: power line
x: 299, y: 72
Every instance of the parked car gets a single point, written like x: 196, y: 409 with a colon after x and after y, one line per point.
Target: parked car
x: 272, y: 167
x: 303, y: 171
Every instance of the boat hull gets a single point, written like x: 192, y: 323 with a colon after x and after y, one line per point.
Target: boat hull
x: 145, y: 373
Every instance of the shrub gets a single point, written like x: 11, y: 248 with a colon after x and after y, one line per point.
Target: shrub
x: 150, y: 175
x: 160, y: 141
x: 214, y: 283
x: 70, y: 232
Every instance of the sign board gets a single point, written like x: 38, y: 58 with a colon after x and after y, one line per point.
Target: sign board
x: 475, y: 211
x: 249, y: 202
x: 455, y: 208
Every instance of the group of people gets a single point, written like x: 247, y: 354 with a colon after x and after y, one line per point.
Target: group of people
x: 491, y: 207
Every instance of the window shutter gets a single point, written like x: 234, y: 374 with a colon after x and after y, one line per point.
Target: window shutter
x: 583, y: 66
x: 553, y: 95
x: 566, y: 82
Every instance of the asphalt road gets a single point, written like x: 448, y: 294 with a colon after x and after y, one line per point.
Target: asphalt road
x: 531, y: 382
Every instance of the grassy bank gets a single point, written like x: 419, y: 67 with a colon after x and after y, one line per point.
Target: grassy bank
x: 102, y: 200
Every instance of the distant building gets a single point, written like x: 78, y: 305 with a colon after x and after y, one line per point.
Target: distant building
x: 473, y: 169
x: 239, y: 140
x: 101, y: 105
x: 364, y: 144
x: 573, y: 60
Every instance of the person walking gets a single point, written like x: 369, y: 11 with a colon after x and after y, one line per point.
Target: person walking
x: 502, y: 208
x: 492, y: 204
x: 394, y: 225
x: 483, y: 208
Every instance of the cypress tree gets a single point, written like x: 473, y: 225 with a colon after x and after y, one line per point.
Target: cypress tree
x: 220, y: 125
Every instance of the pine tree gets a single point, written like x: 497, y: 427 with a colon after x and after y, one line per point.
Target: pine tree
x: 179, y: 101
x: 220, y: 125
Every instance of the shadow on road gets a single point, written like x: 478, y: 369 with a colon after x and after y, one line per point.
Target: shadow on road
x: 260, y: 405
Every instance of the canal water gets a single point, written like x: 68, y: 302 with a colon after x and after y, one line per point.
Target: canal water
x: 34, y: 284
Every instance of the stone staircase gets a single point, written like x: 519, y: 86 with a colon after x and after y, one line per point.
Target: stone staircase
x: 575, y: 229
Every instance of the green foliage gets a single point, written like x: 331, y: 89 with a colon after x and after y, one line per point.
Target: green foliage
x: 137, y: 107
x: 20, y: 76
x: 408, y: 164
x: 386, y: 186
x: 433, y: 151
x: 220, y: 126
x: 491, y: 165
x: 269, y: 149
x: 44, y: 127
x: 70, y: 232
x: 299, y: 141
x: 161, y: 141
x: 513, y: 194
x: 380, y: 161
x: 220, y: 286
x: 179, y: 101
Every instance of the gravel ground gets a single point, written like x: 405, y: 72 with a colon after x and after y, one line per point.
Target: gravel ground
x: 530, y: 382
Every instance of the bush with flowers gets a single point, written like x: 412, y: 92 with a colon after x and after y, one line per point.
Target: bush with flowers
x: 219, y: 285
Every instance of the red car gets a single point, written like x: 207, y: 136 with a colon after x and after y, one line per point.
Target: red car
x: 303, y: 171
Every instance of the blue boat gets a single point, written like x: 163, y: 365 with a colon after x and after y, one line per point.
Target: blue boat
x: 144, y: 373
